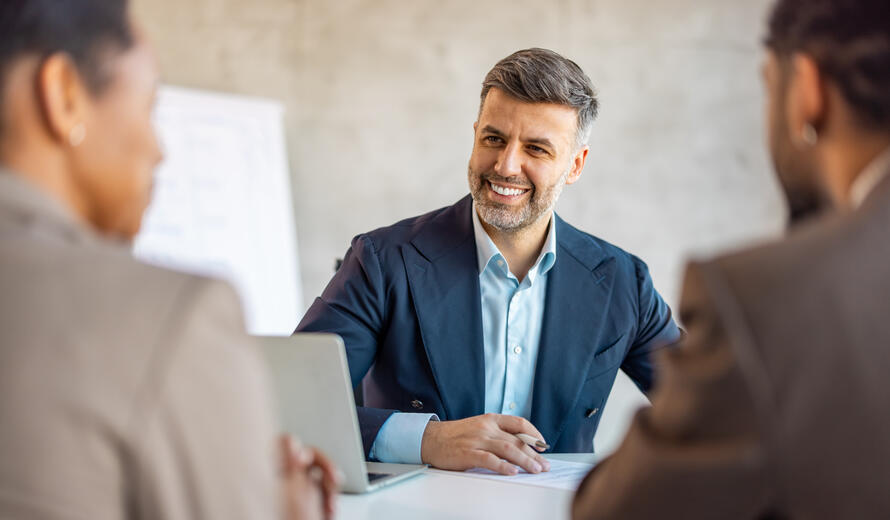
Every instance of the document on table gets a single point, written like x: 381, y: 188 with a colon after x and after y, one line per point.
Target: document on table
x: 562, y: 475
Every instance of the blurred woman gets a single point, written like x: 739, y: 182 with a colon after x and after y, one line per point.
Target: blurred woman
x: 126, y: 391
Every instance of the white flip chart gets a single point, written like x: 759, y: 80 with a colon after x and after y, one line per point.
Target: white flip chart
x: 222, y: 203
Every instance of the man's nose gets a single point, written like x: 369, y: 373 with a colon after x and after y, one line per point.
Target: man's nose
x: 509, y: 161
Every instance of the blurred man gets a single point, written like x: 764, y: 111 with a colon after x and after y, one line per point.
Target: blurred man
x: 776, y: 403
x: 495, y: 305
x: 126, y: 391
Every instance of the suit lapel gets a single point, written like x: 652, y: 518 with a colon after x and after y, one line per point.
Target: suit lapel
x: 579, y: 290
x: 443, y: 277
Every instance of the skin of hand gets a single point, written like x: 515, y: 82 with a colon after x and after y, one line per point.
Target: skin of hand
x: 311, y: 482
x: 484, y: 441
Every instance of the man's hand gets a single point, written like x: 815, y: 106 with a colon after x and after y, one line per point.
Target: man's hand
x: 485, y: 441
x: 310, y: 480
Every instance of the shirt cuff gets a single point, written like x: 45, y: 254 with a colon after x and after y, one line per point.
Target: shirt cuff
x: 398, y: 440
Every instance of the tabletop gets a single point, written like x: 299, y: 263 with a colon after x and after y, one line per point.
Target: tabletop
x: 440, y: 496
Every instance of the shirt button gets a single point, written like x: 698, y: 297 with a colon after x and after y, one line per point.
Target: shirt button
x: 500, y: 263
x: 517, y: 350
x: 512, y: 406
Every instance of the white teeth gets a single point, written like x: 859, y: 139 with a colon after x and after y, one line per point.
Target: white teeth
x: 508, y: 192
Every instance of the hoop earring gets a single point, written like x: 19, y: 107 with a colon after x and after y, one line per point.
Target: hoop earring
x: 77, y: 135
x: 809, y: 135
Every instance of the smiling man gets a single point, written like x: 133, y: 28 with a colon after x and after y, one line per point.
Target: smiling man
x: 493, y: 316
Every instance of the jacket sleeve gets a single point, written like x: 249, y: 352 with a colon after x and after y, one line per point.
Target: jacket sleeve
x: 205, y: 436
x: 655, y: 329
x: 698, y: 451
x: 353, y: 306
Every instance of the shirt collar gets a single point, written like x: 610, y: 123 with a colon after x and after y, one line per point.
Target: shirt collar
x: 487, y: 252
x: 869, y: 179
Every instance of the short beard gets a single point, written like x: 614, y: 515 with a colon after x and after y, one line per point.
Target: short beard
x: 796, y: 170
x: 798, y: 177
x: 503, y: 217
x: 804, y: 206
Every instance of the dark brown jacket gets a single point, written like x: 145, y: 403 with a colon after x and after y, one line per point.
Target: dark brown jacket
x: 777, y: 404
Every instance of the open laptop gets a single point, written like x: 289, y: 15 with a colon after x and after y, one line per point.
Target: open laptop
x: 311, y: 382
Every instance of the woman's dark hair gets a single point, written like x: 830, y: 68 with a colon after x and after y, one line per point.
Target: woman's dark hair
x: 850, y: 40
x: 83, y: 29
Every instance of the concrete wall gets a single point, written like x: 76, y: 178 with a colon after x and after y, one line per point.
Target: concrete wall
x: 381, y: 96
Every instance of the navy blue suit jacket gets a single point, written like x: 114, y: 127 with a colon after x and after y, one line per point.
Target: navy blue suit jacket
x: 406, y: 302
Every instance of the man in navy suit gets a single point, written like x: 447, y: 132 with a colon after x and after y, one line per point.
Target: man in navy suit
x: 493, y: 316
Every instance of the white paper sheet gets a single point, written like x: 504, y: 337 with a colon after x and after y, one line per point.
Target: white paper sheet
x: 562, y: 475
x: 222, y: 202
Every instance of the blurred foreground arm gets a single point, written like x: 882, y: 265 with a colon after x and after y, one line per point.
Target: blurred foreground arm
x: 698, y: 451
x: 205, y: 436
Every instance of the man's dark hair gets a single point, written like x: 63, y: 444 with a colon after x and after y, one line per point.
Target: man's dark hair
x: 543, y: 76
x: 850, y: 41
x: 83, y: 29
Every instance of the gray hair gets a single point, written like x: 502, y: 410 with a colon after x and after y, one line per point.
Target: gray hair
x: 543, y: 76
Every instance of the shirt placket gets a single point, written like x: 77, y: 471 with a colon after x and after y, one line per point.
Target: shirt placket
x: 517, y: 320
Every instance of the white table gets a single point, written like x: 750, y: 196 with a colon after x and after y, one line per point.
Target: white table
x: 438, y: 496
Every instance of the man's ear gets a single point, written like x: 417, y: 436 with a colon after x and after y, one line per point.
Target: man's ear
x: 578, y: 165
x: 807, y: 97
x: 62, y: 97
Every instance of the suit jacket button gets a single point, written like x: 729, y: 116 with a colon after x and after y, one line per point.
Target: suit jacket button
x: 417, y: 404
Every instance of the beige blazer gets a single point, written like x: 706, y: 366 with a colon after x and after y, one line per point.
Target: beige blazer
x: 126, y: 391
x: 777, y: 404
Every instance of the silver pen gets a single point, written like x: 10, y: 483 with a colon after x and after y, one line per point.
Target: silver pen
x: 533, y: 442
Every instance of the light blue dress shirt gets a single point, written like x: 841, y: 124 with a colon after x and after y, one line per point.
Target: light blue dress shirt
x: 512, y: 317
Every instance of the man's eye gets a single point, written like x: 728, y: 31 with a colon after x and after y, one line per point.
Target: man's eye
x: 537, y: 149
x: 492, y: 139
